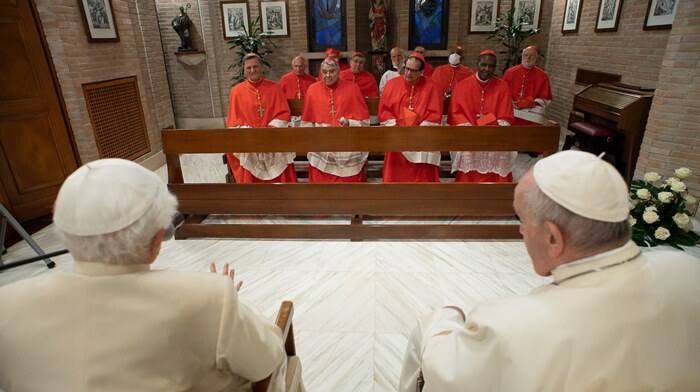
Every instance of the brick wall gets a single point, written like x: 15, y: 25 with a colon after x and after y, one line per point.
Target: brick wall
x: 672, y: 137
x: 631, y: 52
x: 77, y: 62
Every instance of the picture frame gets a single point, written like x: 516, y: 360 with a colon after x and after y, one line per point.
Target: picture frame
x: 98, y: 19
x: 530, y: 11
x: 608, y: 16
x: 660, y: 14
x: 326, y: 26
x: 427, y: 24
x: 235, y: 18
x: 274, y: 18
x: 483, y: 16
x: 572, y: 16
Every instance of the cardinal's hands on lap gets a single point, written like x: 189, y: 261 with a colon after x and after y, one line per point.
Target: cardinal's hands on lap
x: 226, y: 271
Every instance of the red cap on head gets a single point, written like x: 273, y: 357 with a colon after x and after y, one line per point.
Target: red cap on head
x: 332, y: 52
x: 417, y: 55
x: 487, y: 52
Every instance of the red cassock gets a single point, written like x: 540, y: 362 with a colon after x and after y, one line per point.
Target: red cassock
x: 326, y: 105
x: 364, y: 80
x: 481, y: 103
x: 526, y: 85
x: 295, y: 86
x: 410, y: 105
x: 258, y: 105
x: 446, y: 77
x: 428, y: 70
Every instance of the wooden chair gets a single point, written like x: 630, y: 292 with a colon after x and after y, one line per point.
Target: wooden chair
x: 292, y: 379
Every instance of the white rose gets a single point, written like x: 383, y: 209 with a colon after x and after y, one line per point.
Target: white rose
x: 650, y: 216
x: 652, y: 177
x: 683, y: 172
x: 632, y: 221
x: 665, y: 197
x: 678, y: 186
x: 650, y: 208
x: 681, y: 219
x: 662, y: 233
x: 671, y: 180
x: 689, y: 199
x: 689, y: 226
x: 643, y: 194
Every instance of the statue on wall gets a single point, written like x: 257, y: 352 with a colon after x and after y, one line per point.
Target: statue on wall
x: 182, y: 24
x: 377, y: 24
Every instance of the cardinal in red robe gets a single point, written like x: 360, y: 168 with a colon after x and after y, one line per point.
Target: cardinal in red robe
x: 257, y: 102
x: 335, y: 103
x: 482, y: 100
x: 411, y: 100
x: 295, y: 83
x: 529, y: 87
x: 357, y: 74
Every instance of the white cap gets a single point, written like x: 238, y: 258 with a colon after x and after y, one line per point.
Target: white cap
x: 583, y: 184
x: 454, y: 59
x: 105, y: 196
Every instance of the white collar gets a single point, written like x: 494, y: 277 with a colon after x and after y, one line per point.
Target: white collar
x: 596, y: 263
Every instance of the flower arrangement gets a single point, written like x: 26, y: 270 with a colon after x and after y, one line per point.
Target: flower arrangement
x: 659, y: 210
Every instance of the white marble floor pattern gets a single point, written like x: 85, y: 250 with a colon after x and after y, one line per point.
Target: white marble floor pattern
x: 355, y: 302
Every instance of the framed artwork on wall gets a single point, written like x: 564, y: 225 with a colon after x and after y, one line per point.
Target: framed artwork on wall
x: 427, y: 24
x: 608, y: 15
x: 528, y: 12
x: 234, y: 18
x: 572, y: 16
x: 275, y: 21
x: 326, y: 24
x: 660, y: 14
x: 98, y: 19
x: 483, y: 16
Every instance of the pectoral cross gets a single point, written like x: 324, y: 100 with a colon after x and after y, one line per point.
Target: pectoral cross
x: 331, y: 102
x: 260, y: 111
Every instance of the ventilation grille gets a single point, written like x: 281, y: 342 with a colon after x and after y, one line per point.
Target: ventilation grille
x: 117, y: 118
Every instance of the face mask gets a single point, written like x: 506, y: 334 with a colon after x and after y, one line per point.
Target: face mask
x: 169, y: 232
x: 454, y: 59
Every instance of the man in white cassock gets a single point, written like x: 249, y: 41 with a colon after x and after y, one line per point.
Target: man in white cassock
x: 115, y: 324
x: 613, y: 318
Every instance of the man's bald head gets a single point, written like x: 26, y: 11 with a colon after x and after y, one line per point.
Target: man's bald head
x: 397, y: 57
x: 530, y: 56
x: 299, y: 65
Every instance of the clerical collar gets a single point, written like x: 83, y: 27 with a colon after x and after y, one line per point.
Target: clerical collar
x: 332, y: 86
x: 101, y: 269
x: 596, y: 263
x: 479, y: 79
x: 526, y: 67
x: 255, y: 84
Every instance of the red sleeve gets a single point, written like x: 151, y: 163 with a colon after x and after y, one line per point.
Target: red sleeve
x: 374, y: 88
x: 309, y: 114
x: 457, y: 114
x: 434, y: 109
x: 508, y: 78
x: 386, y: 101
x: 356, y: 107
x: 504, y: 104
x: 279, y: 109
x: 230, y: 115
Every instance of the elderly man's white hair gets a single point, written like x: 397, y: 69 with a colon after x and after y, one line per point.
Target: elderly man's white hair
x: 330, y: 63
x: 109, y: 211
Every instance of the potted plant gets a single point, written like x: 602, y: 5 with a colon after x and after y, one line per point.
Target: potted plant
x: 253, y: 40
x: 660, y: 210
x: 511, y: 34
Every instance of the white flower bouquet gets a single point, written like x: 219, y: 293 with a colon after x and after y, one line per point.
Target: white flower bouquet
x: 659, y: 210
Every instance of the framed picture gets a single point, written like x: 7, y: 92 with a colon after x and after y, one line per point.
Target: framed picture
x: 572, y: 16
x: 660, y: 14
x: 483, y: 16
x: 427, y: 24
x: 326, y: 25
x: 98, y: 19
x: 528, y: 12
x: 273, y: 15
x: 608, y: 15
x: 234, y: 18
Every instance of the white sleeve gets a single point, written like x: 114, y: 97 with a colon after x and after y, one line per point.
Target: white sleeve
x: 389, y: 123
x: 466, y: 124
x: 358, y: 123
x: 542, y: 102
x: 307, y: 124
x: 427, y: 123
x: 503, y: 123
x: 382, y: 82
x: 278, y: 123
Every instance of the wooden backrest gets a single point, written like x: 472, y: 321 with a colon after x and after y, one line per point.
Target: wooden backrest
x: 296, y: 106
x: 284, y: 322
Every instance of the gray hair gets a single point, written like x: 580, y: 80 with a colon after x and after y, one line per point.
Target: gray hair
x: 130, y: 245
x: 330, y: 63
x: 580, y: 232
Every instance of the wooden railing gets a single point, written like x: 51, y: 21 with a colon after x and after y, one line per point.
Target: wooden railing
x: 359, y: 200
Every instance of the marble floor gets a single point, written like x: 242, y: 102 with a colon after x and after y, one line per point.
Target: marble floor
x: 355, y: 302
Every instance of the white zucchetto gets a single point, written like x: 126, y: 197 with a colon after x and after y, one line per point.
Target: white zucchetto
x: 105, y: 196
x: 583, y: 184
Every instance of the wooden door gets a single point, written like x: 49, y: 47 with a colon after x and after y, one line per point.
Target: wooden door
x: 36, y: 147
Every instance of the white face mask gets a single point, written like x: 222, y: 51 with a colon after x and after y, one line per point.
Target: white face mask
x: 454, y: 59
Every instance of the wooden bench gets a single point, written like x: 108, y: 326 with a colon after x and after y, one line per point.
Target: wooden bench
x: 355, y: 201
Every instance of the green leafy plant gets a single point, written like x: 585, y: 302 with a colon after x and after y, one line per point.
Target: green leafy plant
x: 659, y: 210
x: 512, y: 36
x: 253, y: 40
